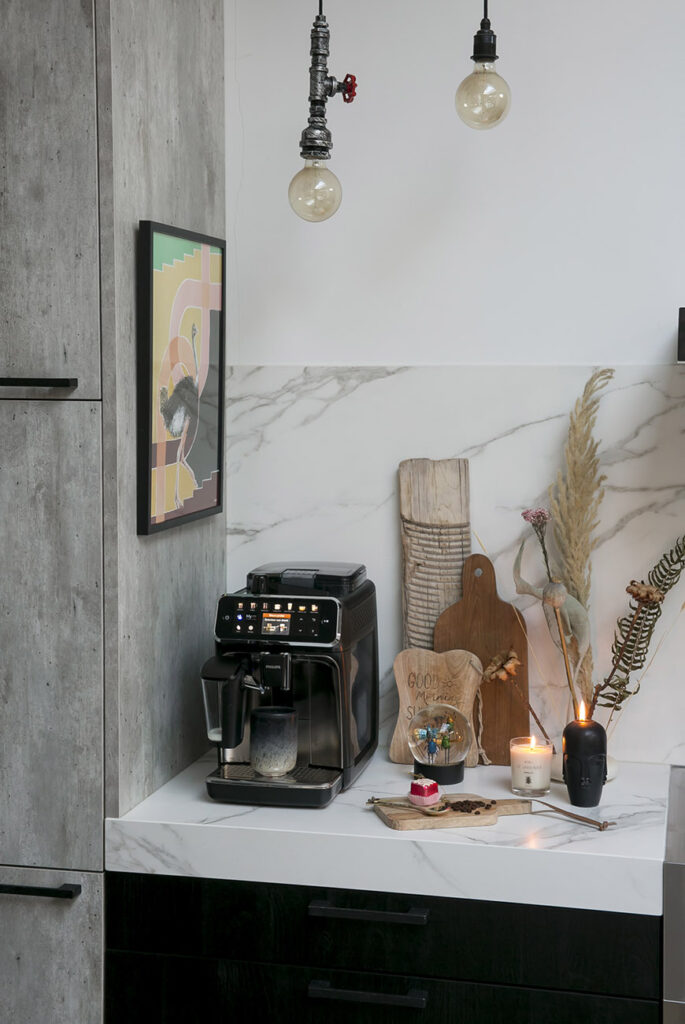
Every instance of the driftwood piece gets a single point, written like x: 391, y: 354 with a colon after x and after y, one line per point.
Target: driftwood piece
x: 436, y: 540
x: 424, y: 678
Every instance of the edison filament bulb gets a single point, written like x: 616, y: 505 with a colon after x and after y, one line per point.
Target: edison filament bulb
x: 483, y: 98
x: 315, y: 193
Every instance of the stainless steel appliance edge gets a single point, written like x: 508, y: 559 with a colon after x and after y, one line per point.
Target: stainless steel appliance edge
x: 674, y: 901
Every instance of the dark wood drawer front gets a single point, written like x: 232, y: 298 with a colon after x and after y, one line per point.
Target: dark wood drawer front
x: 468, y: 940
x: 147, y: 989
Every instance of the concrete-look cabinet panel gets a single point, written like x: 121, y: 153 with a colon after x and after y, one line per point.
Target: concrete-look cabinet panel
x: 49, y: 273
x: 167, y: 73
x: 51, y: 689
x: 50, y: 949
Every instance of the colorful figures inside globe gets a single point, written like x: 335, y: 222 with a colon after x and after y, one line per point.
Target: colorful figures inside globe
x: 433, y: 738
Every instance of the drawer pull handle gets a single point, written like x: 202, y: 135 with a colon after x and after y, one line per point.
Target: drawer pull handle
x: 415, y: 998
x: 64, y: 892
x: 324, y: 908
x: 39, y: 382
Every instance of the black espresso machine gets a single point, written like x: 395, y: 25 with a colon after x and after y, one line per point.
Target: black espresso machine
x: 301, y: 635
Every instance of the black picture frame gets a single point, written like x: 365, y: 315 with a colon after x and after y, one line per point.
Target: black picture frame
x: 181, y: 288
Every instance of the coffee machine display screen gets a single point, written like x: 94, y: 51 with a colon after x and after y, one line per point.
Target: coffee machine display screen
x: 286, y: 618
x: 276, y: 623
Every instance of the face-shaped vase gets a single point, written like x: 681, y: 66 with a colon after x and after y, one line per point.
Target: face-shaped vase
x: 585, y: 762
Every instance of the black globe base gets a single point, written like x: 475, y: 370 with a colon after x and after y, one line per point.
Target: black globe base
x: 443, y: 774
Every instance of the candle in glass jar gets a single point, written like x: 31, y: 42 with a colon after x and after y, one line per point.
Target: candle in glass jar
x: 531, y: 766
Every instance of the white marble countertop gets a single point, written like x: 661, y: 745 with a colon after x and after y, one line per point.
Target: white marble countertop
x: 541, y: 858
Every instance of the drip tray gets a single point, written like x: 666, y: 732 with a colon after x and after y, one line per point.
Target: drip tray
x: 302, y: 787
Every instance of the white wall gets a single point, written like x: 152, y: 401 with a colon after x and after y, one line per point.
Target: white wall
x: 554, y: 238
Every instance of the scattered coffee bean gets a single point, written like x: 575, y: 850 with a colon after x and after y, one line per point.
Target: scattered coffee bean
x: 469, y: 806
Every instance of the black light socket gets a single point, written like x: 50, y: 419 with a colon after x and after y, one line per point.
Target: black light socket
x: 484, y: 43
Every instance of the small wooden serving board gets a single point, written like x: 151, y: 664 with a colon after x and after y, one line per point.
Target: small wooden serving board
x: 412, y: 818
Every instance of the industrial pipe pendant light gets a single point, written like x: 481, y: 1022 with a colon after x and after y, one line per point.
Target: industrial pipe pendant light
x: 315, y: 192
x: 483, y: 98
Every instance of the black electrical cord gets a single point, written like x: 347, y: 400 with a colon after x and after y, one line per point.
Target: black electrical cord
x: 485, y: 8
x: 321, y: 7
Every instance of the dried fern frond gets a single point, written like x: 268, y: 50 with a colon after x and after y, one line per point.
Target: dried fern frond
x: 575, y: 498
x: 634, y: 631
x: 667, y: 570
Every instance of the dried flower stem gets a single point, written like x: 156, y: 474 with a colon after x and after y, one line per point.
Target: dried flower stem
x: 519, y: 618
x: 544, y: 555
x: 522, y: 625
x: 567, y: 665
x: 538, y: 518
x: 522, y: 698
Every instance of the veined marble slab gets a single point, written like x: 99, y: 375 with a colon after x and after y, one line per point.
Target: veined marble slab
x: 539, y: 858
x: 312, y: 458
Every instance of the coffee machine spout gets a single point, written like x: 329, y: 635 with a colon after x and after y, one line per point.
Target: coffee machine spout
x: 233, y: 703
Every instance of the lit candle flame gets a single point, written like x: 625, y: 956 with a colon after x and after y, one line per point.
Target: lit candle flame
x: 582, y: 714
x: 532, y: 742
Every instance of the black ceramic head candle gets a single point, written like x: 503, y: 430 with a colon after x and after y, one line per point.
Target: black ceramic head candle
x: 584, y: 747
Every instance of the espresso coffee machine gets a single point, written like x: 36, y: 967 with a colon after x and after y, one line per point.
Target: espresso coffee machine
x: 300, y: 635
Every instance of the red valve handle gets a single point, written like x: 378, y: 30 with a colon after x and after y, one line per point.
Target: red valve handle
x: 349, y: 88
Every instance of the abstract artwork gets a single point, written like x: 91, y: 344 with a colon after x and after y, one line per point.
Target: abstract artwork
x: 181, y: 284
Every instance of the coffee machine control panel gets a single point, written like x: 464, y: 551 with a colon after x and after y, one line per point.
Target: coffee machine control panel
x: 305, y: 620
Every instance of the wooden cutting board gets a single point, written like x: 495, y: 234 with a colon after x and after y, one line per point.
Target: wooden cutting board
x: 423, y: 678
x: 412, y: 818
x: 487, y: 626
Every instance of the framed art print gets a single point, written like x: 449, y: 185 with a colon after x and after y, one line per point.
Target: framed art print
x: 181, y: 287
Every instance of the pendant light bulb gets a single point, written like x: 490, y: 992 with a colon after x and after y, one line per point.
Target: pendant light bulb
x: 315, y: 192
x: 483, y: 98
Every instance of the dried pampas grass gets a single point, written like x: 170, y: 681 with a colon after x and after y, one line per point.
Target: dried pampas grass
x: 575, y: 498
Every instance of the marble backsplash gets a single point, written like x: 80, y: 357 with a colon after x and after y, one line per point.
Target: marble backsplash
x: 312, y: 457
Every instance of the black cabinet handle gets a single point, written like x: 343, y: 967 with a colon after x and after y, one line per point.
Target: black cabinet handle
x: 324, y: 908
x: 64, y: 892
x: 415, y: 998
x: 39, y: 382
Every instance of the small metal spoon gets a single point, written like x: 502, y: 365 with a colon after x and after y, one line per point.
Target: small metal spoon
x: 431, y: 811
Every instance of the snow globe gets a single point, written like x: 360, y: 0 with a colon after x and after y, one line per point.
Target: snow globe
x: 439, y: 740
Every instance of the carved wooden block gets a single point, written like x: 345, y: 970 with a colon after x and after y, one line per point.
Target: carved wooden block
x: 436, y: 540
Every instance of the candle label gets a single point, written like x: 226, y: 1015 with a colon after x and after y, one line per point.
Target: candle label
x: 530, y: 771
x: 531, y: 767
